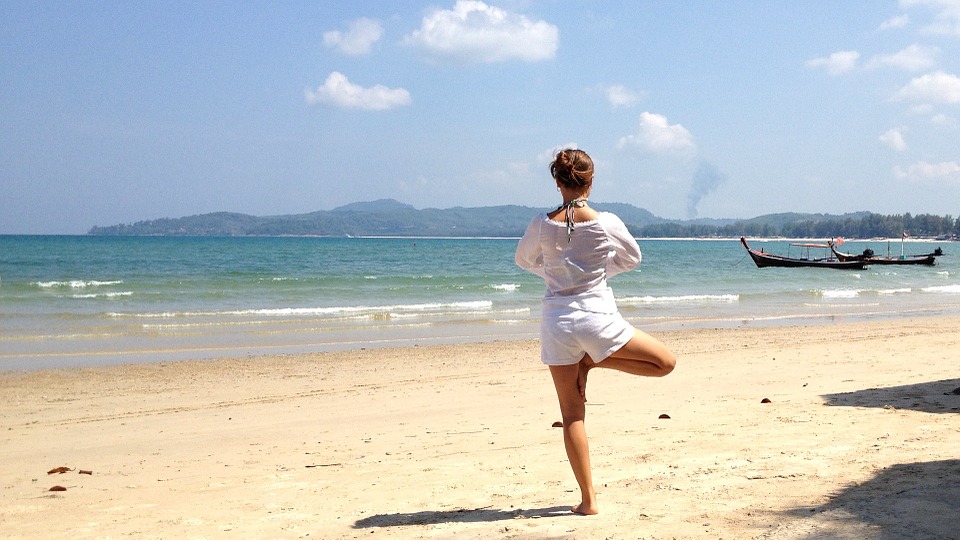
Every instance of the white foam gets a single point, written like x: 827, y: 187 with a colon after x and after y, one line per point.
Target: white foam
x: 159, y: 315
x: 840, y: 293
x: 103, y: 295
x: 683, y: 299
x: 74, y: 284
x: 894, y: 291
x: 505, y: 287
x: 459, y: 307
x: 942, y: 289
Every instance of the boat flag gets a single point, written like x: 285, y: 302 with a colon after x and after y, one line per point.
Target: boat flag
x: 838, y: 241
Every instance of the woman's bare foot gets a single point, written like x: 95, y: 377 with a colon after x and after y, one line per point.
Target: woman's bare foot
x: 585, y: 510
x: 585, y: 365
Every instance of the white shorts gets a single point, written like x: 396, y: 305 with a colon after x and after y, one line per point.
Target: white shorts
x: 566, y: 335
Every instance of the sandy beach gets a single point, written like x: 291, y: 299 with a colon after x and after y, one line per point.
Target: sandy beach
x: 860, y: 439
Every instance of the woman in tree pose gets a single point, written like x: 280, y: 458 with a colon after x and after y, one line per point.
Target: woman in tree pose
x: 575, y: 249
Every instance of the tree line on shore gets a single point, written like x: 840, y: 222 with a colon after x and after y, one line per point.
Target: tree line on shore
x: 862, y: 226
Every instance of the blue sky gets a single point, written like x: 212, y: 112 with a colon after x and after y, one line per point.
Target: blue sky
x: 115, y: 112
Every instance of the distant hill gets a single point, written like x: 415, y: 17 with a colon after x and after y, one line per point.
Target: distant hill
x: 380, y: 205
x: 387, y: 217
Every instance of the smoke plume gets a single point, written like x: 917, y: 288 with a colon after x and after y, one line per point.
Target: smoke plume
x: 705, y: 179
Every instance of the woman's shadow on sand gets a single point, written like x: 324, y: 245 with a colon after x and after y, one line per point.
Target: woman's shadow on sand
x: 907, y: 500
x: 462, y: 515
x: 936, y: 397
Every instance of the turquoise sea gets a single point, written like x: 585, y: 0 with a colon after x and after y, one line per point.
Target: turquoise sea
x: 81, y: 300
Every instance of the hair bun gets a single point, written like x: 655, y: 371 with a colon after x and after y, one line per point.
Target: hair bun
x: 572, y: 168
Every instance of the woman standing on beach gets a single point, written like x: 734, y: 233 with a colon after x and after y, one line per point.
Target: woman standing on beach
x: 575, y: 249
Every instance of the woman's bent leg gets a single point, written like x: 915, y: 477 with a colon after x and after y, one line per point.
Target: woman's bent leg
x: 643, y: 355
x: 572, y: 410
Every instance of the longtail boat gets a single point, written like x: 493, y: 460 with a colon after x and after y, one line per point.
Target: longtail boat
x: 762, y: 259
x: 869, y: 257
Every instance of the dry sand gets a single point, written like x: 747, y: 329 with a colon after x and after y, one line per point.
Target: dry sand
x: 860, y: 439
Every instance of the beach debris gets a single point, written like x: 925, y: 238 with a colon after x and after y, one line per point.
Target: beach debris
x: 558, y: 424
x: 664, y: 416
x: 57, y: 488
x: 765, y: 400
x: 462, y: 510
x: 59, y: 470
x: 85, y: 472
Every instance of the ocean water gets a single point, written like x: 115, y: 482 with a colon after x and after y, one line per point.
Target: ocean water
x: 77, y: 300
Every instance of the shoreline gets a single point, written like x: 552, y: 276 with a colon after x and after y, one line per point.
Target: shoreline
x: 675, y: 328
x: 456, y: 441
x: 450, y: 334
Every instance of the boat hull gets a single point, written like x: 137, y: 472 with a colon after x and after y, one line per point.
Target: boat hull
x: 767, y: 260
x: 929, y: 259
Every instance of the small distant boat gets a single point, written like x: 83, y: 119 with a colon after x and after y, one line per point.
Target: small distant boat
x: 868, y: 256
x: 763, y: 260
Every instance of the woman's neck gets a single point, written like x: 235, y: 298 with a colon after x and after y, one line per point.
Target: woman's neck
x: 579, y: 202
x: 573, y: 196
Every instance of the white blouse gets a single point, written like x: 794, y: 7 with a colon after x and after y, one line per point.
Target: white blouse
x: 576, y: 272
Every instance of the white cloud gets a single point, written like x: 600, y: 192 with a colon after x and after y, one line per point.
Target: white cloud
x: 946, y: 19
x: 944, y: 120
x: 899, y: 21
x: 837, y: 63
x: 621, y: 96
x: 937, y: 87
x: 913, y: 58
x: 548, y: 155
x: 474, y: 32
x: 360, y: 35
x: 894, y: 139
x: 947, y: 170
x: 659, y: 136
x: 340, y: 92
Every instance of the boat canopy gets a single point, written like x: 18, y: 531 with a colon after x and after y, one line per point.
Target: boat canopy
x: 824, y: 246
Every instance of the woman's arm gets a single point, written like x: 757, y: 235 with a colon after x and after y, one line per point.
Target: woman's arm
x: 529, y: 255
x: 624, y: 251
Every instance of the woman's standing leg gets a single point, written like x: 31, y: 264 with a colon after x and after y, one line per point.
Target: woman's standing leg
x: 572, y: 409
